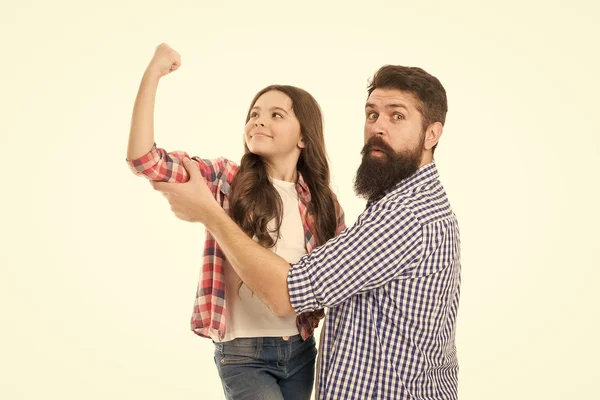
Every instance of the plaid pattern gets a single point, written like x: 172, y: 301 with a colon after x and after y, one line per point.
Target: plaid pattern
x: 209, y: 316
x: 392, y: 282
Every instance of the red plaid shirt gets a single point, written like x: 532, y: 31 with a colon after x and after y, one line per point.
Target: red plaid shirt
x: 209, y: 316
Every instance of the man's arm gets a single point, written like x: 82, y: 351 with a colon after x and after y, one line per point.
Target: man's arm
x: 385, y: 243
x: 264, y: 272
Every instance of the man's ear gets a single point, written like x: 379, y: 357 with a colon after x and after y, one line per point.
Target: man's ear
x: 433, y: 134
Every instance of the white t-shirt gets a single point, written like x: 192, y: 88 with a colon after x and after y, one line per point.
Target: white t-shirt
x: 247, y: 315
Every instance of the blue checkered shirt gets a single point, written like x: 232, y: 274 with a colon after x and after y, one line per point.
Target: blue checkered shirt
x: 392, y: 283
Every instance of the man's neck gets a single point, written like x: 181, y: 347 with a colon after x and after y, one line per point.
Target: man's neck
x: 426, y: 159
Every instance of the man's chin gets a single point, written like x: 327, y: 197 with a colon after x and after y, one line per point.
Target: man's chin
x: 371, y: 161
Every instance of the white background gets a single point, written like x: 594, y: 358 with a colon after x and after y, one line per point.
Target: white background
x: 98, y: 278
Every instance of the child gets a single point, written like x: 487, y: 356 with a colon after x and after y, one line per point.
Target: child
x: 280, y: 196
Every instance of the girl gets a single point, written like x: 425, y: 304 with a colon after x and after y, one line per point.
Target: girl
x: 279, y: 195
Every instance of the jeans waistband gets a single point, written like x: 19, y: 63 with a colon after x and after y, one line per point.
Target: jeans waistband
x: 260, y: 341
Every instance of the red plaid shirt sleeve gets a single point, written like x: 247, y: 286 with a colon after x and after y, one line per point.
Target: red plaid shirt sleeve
x: 163, y: 166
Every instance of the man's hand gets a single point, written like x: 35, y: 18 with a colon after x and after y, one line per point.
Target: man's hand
x: 191, y: 201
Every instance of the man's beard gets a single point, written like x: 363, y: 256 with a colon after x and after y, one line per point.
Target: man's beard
x: 377, y: 174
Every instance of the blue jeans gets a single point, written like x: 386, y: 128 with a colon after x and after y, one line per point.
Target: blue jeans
x: 267, y: 368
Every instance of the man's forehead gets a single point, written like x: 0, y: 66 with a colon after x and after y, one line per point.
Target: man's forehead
x: 385, y: 97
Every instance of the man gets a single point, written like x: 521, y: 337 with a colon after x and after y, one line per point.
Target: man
x: 392, y: 280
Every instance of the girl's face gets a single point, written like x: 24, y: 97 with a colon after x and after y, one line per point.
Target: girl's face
x: 273, y: 131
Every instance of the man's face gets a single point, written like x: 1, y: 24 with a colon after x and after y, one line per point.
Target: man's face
x: 393, y: 115
x: 394, y: 142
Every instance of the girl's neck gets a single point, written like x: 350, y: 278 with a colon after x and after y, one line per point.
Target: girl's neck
x: 284, y: 171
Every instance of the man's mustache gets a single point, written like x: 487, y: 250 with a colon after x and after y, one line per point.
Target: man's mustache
x: 379, y: 143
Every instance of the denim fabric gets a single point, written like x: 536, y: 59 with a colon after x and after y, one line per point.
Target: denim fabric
x: 267, y: 368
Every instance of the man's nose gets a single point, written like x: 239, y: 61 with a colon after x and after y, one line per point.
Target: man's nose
x: 378, y: 128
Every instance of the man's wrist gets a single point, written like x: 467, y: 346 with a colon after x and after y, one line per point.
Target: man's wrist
x: 215, y: 216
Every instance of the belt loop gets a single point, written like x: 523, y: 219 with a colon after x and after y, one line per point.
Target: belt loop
x: 259, y: 347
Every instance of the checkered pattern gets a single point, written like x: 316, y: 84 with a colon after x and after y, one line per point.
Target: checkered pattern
x: 392, y: 283
x: 208, y: 318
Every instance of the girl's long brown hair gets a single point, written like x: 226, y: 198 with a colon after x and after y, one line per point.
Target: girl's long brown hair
x: 253, y: 199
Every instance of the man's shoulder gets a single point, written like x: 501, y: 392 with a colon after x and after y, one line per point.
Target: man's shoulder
x: 427, y: 203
